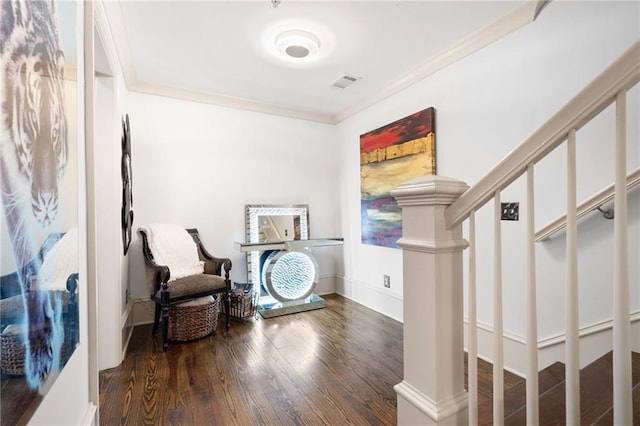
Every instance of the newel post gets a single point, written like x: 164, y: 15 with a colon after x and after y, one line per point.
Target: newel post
x: 432, y: 391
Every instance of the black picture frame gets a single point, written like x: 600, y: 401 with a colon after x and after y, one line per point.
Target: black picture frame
x: 127, y: 192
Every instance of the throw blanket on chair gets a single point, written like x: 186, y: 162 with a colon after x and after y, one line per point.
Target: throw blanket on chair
x: 171, y: 245
x: 60, y: 262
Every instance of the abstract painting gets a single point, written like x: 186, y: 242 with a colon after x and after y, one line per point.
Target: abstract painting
x: 390, y: 155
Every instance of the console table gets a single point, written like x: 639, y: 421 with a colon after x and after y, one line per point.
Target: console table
x: 288, y: 271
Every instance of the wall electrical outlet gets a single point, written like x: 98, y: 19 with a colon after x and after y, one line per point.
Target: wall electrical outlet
x: 387, y: 281
x: 510, y: 211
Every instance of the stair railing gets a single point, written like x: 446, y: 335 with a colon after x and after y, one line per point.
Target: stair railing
x: 593, y: 203
x: 424, y: 390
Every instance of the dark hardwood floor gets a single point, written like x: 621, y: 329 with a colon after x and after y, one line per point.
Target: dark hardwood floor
x: 331, y: 366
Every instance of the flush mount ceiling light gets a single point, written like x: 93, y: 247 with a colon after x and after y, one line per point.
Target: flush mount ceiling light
x: 296, y: 42
x: 297, y: 45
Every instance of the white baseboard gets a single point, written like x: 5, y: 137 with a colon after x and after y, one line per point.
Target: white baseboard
x: 379, y: 299
x: 595, y: 341
x: 514, y: 348
x: 127, y: 328
x: 142, y: 311
x: 89, y: 417
x: 326, y: 285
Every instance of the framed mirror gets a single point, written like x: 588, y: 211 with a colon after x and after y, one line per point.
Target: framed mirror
x: 270, y: 223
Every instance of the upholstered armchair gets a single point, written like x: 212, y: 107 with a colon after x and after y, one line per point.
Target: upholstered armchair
x: 179, y: 268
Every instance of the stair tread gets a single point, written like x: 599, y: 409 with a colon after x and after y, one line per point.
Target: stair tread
x: 596, y: 394
x: 607, y: 418
x: 485, y: 374
x: 515, y: 397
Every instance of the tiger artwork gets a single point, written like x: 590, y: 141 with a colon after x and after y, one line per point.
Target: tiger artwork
x: 33, y: 157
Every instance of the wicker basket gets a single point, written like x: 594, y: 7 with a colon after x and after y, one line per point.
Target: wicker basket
x: 12, y: 361
x: 244, y: 301
x: 12, y: 354
x: 193, y: 320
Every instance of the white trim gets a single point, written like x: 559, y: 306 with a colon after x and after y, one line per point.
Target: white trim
x: 514, y: 347
x: 584, y: 331
x: 507, y: 334
x: 432, y: 246
x: 519, y: 17
x: 142, y: 310
x: 85, y: 187
x: 362, y: 284
x: 597, y: 200
x: 475, y: 41
x: 390, y: 302
x: 550, y: 349
x: 90, y: 415
x: 106, y: 38
x: 437, y: 411
x: 127, y: 322
x: 226, y: 101
x: 590, y: 101
x: 111, y: 10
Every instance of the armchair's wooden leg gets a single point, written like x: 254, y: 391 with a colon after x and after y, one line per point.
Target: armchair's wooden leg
x: 164, y: 299
x: 156, y: 320
x: 228, y: 302
x: 165, y: 327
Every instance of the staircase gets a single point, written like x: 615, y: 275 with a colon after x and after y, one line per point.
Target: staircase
x: 437, y: 278
x: 596, y: 395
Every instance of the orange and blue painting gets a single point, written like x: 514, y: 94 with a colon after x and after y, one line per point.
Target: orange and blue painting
x: 390, y: 155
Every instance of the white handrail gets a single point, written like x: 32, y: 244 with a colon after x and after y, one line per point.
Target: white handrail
x: 587, y: 206
x: 622, y: 74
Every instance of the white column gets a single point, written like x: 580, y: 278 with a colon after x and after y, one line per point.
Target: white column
x: 432, y: 391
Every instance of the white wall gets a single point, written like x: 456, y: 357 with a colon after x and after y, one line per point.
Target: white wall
x: 108, y: 189
x: 112, y: 265
x: 198, y: 165
x: 486, y: 105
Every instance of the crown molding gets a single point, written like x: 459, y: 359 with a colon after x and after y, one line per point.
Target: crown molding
x: 475, y: 41
x: 112, y: 11
x: 519, y: 17
x: 227, y: 101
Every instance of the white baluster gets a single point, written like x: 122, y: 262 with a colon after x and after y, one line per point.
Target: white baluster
x: 532, y: 316
x: 498, y: 352
x: 572, y: 344
x: 472, y: 330
x: 622, y: 405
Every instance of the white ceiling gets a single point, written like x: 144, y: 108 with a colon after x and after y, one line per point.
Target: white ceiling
x: 213, y: 51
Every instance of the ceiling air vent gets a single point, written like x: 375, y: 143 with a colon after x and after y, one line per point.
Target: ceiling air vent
x: 345, y: 81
